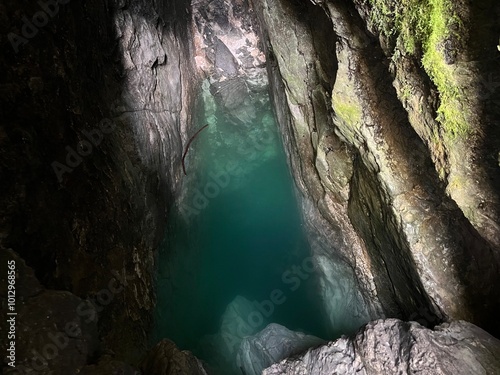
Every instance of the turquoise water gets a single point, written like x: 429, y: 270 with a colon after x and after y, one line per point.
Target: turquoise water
x: 236, y: 232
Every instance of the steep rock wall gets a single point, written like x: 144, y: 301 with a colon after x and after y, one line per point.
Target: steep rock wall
x: 302, y: 73
x: 78, y: 213
x: 363, y: 163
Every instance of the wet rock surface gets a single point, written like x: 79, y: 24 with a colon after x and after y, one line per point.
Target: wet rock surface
x: 50, y: 332
x: 271, y: 345
x: 95, y: 107
x: 370, y: 178
x: 395, y: 347
x: 228, y: 53
x: 302, y: 74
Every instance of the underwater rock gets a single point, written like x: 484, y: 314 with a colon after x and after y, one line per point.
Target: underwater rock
x: 395, y: 162
x: 271, y: 345
x: 236, y: 324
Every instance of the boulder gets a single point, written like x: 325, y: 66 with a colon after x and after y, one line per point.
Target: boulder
x: 395, y: 347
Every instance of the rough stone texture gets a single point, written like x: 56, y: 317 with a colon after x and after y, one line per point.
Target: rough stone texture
x: 228, y: 54
x: 222, y: 347
x: 271, y: 345
x: 301, y: 72
x: 129, y: 62
x: 395, y: 347
x: 372, y: 195
x: 227, y: 44
x: 166, y: 359
x: 467, y: 164
x: 50, y: 334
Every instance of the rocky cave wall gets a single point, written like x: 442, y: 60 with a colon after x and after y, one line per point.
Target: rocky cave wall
x: 105, y: 90
x: 396, y: 164
x: 377, y: 161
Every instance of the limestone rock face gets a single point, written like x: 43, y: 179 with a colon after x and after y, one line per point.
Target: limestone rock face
x: 395, y: 347
x: 299, y: 44
x: 95, y: 107
x: 228, y: 53
x: 373, y: 139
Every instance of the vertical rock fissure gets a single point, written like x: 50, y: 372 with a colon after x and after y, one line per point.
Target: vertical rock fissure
x: 246, y: 243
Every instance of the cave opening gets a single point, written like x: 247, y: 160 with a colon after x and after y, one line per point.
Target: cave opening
x: 236, y: 257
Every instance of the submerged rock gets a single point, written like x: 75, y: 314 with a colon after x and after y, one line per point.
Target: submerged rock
x: 236, y: 324
x: 395, y: 347
x: 271, y: 345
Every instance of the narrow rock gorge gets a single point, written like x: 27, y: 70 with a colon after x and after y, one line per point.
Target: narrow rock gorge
x: 247, y: 187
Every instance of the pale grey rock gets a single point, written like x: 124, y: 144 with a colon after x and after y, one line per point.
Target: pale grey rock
x: 236, y: 324
x: 394, y: 347
x: 383, y: 199
x: 224, y: 60
x: 271, y: 345
x: 231, y: 93
x: 301, y: 77
x: 229, y: 55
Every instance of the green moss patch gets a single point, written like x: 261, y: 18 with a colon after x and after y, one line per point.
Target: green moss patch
x: 348, y: 112
x: 423, y: 29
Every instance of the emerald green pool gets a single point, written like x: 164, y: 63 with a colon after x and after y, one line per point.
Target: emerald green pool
x: 237, y: 231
